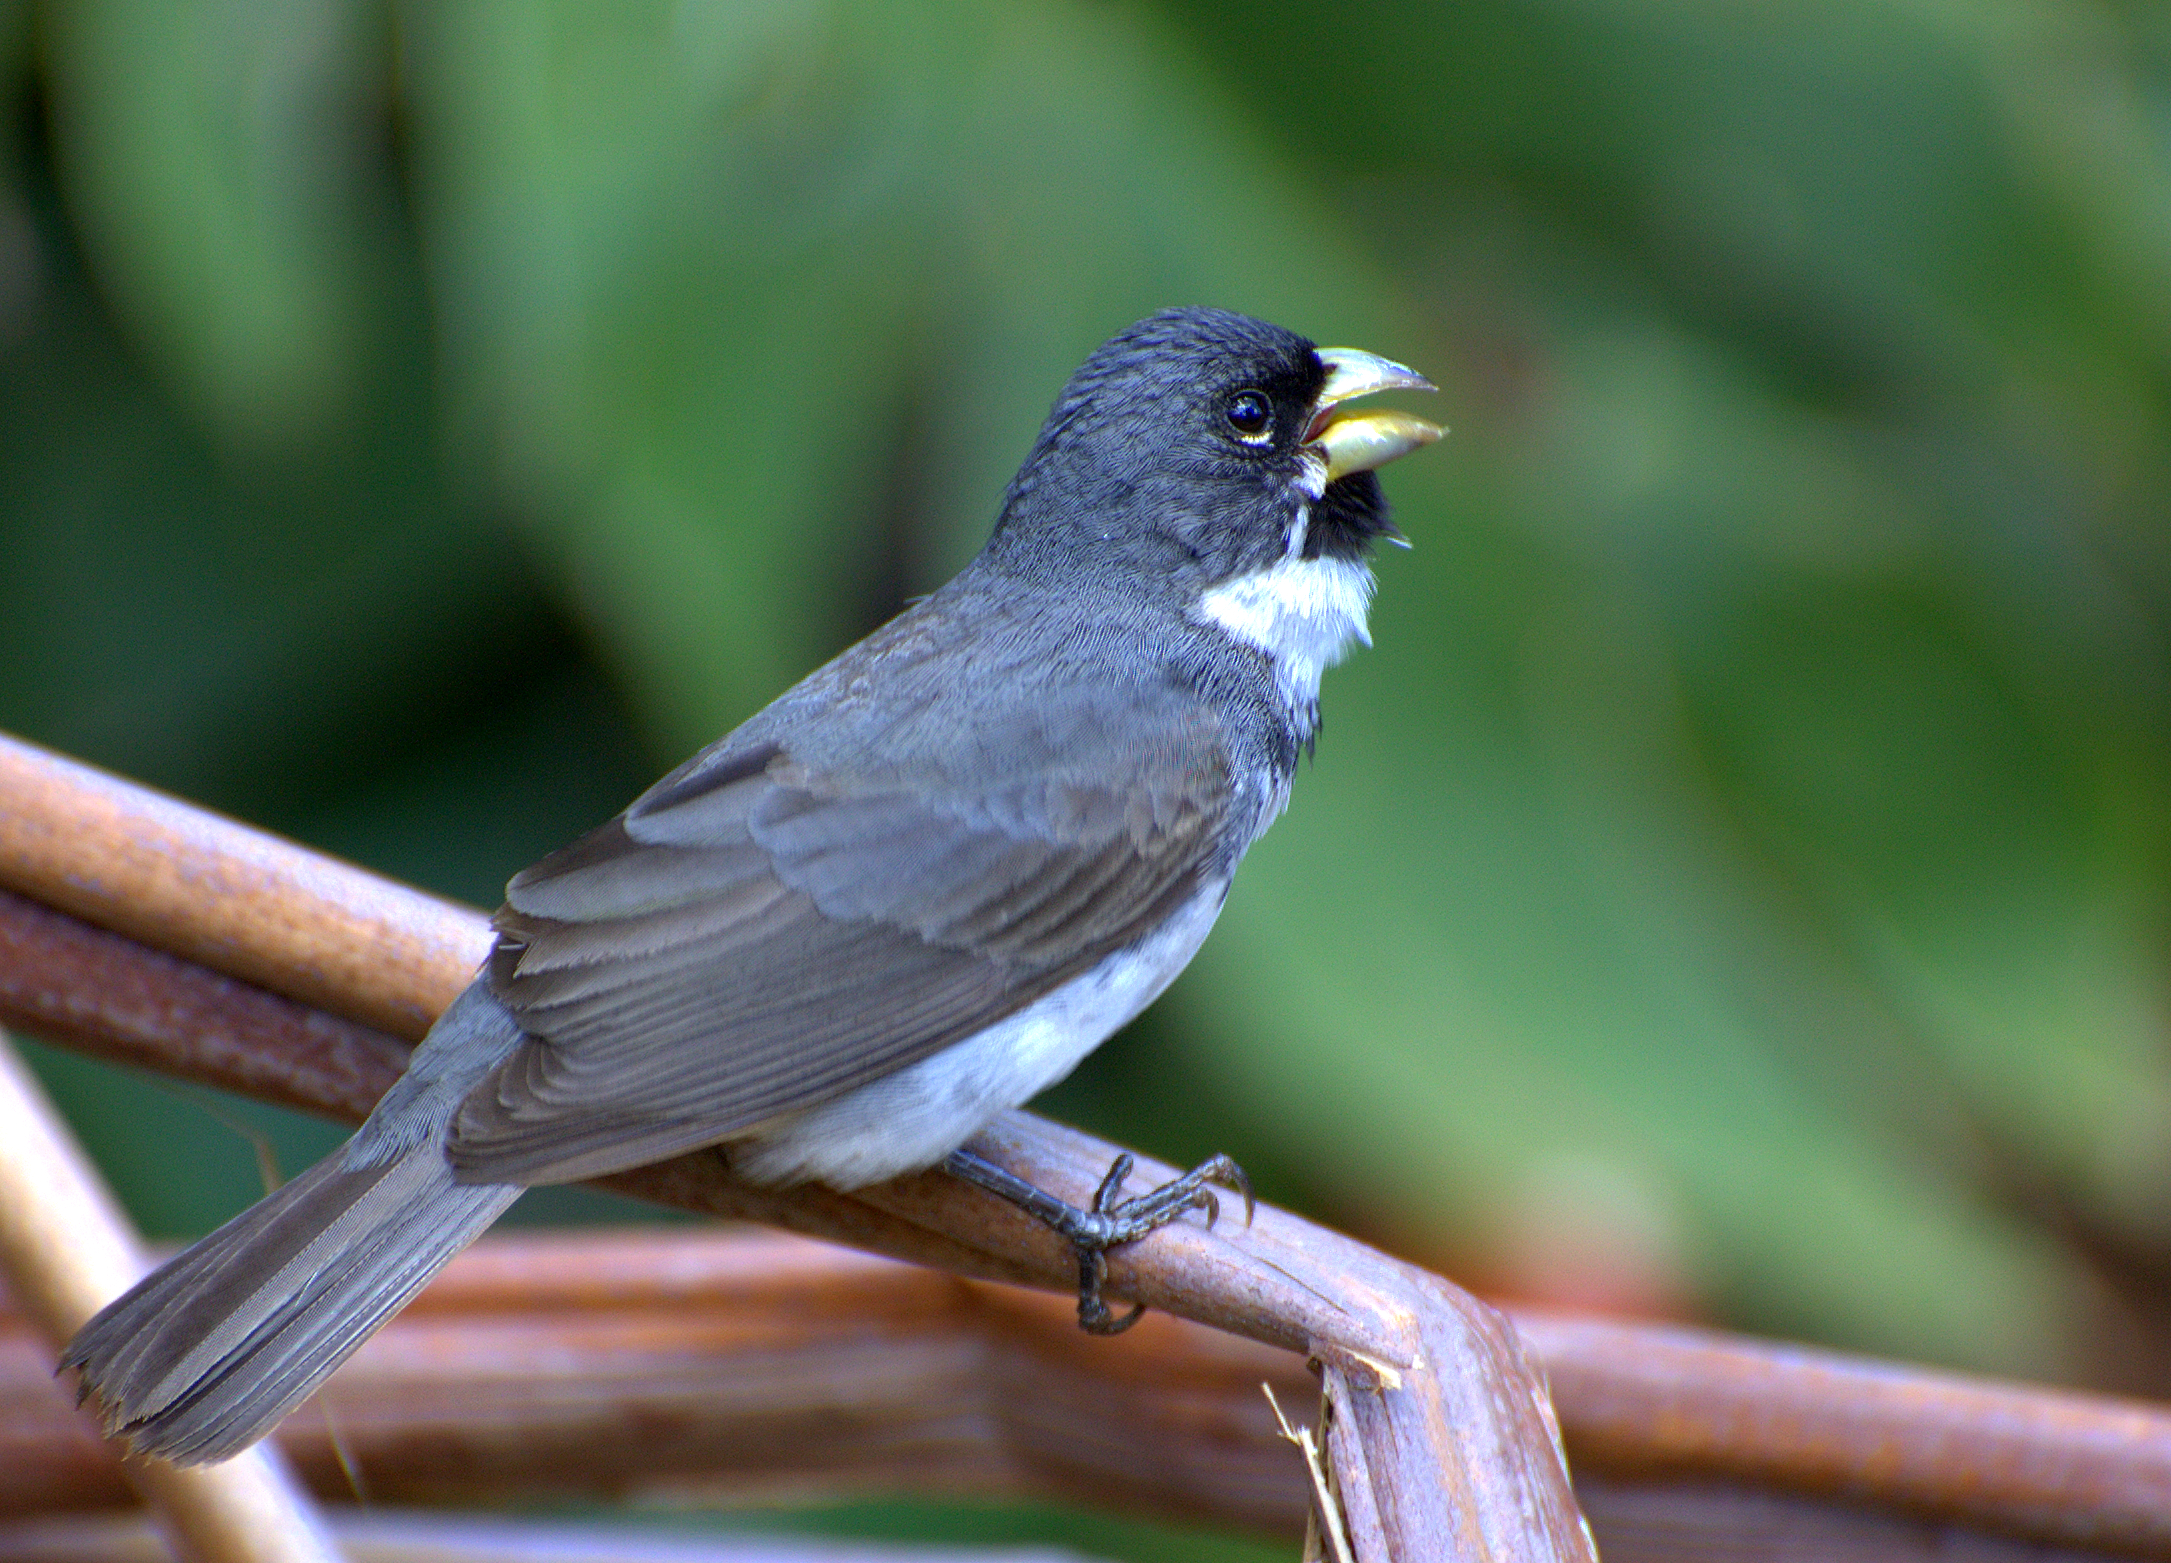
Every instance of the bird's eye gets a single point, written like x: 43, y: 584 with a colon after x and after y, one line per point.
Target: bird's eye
x: 1250, y: 415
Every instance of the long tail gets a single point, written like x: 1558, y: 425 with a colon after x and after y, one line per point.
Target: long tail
x: 209, y: 1352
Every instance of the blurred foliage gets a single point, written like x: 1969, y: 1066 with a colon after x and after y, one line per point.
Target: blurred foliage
x: 1735, y: 885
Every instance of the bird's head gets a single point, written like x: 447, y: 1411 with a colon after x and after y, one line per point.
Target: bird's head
x: 1202, y: 445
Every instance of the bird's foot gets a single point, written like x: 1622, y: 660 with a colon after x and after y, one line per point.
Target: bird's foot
x: 1112, y: 1221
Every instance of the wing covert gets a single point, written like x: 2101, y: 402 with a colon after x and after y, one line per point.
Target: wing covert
x: 753, y: 937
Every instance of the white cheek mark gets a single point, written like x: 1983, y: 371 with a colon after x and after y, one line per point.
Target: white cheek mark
x: 1308, y: 488
x: 1303, y: 613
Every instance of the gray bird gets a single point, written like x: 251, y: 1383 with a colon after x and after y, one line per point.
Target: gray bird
x: 913, y: 892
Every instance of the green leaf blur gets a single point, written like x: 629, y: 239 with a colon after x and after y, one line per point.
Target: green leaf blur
x: 1735, y: 884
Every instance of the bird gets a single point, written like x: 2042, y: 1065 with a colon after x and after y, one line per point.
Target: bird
x: 911, y: 893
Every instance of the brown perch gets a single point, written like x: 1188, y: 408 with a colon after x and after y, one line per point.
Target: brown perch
x: 1442, y: 1445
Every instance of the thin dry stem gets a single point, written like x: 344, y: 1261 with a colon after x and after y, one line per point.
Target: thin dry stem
x: 66, y: 1251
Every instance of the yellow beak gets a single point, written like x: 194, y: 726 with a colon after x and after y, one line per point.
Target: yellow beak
x: 1358, y: 442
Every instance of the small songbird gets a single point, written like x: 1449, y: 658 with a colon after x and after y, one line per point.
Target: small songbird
x: 913, y: 892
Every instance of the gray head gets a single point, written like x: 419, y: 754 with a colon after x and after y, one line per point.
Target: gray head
x: 1201, y: 445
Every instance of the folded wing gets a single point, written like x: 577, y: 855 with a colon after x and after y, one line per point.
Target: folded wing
x: 757, y: 937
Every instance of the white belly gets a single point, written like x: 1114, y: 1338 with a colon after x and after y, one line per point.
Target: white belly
x: 915, y: 1117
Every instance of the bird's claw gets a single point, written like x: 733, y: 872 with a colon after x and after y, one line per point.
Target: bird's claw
x: 1112, y: 1220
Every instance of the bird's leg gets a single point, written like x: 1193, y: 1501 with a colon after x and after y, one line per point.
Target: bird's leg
x: 1113, y: 1220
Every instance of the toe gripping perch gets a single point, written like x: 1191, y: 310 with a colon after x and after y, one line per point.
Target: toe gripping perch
x: 1112, y: 1221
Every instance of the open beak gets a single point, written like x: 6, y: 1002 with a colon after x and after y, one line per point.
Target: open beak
x: 1360, y: 441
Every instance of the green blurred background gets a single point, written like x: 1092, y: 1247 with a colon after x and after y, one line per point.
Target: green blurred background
x: 1733, y: 888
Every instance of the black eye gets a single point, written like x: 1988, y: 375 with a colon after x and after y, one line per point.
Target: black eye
x: 1249, y: 414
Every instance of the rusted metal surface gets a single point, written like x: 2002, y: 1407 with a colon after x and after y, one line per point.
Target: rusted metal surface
x: 1646, y: 1399
x: 1413, y: 1365
x: 108, y: 996
x: 252, y: 906
x: 760, y: 1368
x: 728, y: 1367
x: 1633, y: 1400
x: 239, y: 900
x: 1717, y: 1522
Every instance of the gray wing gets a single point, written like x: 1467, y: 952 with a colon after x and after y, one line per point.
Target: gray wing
x: 756, y: 938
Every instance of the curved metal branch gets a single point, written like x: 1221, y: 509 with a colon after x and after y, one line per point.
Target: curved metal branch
x: 1440, y: 1433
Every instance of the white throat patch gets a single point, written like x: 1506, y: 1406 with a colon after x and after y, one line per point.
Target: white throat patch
x: 1303, y: 613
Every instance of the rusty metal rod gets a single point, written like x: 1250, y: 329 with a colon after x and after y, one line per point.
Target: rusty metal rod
x: 743, y: 1366
x: 1633, y: 1399
x: 1439, y: 1416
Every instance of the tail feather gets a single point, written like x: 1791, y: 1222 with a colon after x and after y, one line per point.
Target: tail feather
x: 208, y: 1353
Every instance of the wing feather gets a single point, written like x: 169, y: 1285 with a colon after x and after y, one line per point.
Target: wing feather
x: 756, y: 936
